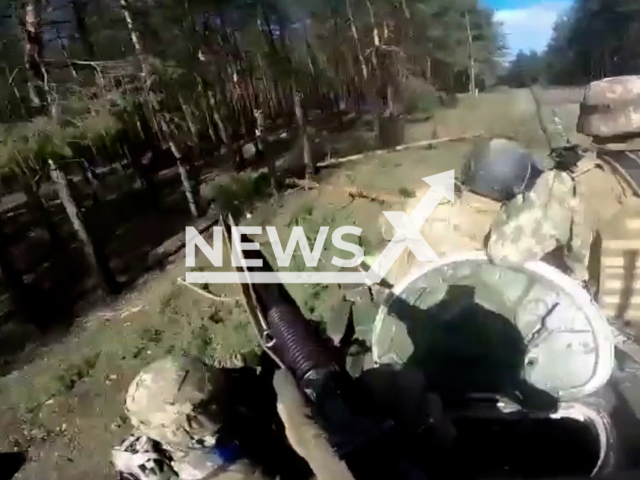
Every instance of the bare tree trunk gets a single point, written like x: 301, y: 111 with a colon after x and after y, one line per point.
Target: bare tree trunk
x: 136, y: 40
x: 65, y: 52
x: 204, y: 104
x: 280, y: 93
x: 79, y: 8
x: 405, y: 8
x: 162, y: 129
x: 376, y: 75
x: 296, y: 97
x: 217, y: 130
x: 369, y: 80
x: 188, y: 115
x: 186, y: 182
x: 141, y: 54
x: 309, y: 168
x: 96, y: 258
x: 315, y: 85
x: 389, y: 72
x: 356, y: 39
x: 340, y: 94
x: 268, y: 93
x: 221, y: 127
x: 260, y: 150
x: 38, y: 79
x: 188, y: 189
x: 376, y: 37
x: 135, y: 36
x: 15, y: 91
x: 389, y: 127
x: 41, y: 94
x: 472, y: 66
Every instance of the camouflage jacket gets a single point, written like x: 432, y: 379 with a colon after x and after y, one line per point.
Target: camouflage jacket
x: 253, y: 424
x: 550, y: 216
x: 141, y: 458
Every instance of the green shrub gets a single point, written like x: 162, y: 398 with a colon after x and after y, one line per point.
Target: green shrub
x: 239, y: 193
x: 420, y: 97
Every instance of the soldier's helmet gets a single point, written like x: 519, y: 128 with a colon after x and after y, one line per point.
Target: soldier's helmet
x: 178, y: 401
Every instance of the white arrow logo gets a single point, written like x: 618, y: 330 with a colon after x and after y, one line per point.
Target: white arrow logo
x: 408, y: 227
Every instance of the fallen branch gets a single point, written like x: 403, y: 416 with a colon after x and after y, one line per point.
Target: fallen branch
x: 346, y: 204
x: 302, y: 184
x: 381, y: 197
x: 210, y: 296
x: 399, y: 148
x: 353, y: 192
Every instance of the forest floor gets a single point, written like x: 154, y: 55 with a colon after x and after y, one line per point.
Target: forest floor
x: 66, y: 408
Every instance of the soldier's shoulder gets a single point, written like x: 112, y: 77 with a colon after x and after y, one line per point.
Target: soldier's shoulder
x: 553, y: 183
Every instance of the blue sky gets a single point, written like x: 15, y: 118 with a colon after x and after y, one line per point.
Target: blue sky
x: 527, y: 23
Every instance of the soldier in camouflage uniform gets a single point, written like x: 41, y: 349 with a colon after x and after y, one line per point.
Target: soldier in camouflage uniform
x: 194, y: 422
x: 547, y: 223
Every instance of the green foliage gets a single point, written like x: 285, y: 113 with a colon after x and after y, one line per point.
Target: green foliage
x: 420, y: 97
x: 30, y: 145
x: 71, y: 374
x: 151, y: 336
x: 304, y: 214
x: 406, y: 193
x: 526, y: 69
x: 235, y: 194
x: 207, y: 65
x: 594, y: 39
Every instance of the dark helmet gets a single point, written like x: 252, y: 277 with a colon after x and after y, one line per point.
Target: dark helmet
x: 500, y: 169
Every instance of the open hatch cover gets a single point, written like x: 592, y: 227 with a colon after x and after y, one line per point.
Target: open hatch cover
x: 473, y: 325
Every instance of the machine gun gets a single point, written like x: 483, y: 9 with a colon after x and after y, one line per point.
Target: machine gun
x: 338, y: 403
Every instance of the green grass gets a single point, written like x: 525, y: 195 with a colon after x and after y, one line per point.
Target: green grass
x: 238, y: 193
x: 406, y: 193
x: 72, y: 373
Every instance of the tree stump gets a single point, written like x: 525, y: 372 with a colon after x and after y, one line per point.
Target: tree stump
x: 391, y: 131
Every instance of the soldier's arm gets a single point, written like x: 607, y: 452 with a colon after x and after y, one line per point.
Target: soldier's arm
x: 305, y: 436
x: 579, y: 245
x: 532, y: 224
x: 520, y: 234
